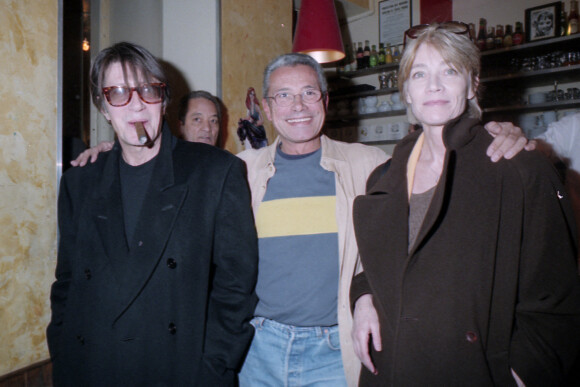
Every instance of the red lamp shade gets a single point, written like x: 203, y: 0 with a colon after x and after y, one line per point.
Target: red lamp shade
x: 317, y: 31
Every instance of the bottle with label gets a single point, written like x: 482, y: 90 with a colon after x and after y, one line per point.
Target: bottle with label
x: 480, y: 41
x: 389, y: 54
x: 396, y: 54
x: 498, y: 41
x: 366, y: 55
x: 353, y: 60
x: 382, y: 55
x: 518, y: 36
x: 490, y: 39
x: 573, y: 18
x: 344, y: 64
x: 563, y: 20
x: 374, y: 58
x: 507, y: 37
x: 472, y: 32
x: 359, y: 57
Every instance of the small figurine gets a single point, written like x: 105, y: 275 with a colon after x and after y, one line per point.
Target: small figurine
x: 251, y: 127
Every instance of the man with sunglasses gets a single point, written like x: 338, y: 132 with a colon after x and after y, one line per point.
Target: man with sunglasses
x: 157, y: 257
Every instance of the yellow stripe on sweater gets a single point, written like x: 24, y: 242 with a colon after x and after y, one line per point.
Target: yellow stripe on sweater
x: 297, y: 216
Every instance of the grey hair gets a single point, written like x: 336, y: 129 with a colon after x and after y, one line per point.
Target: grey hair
x: 456, y: 49
x: 292, y: 60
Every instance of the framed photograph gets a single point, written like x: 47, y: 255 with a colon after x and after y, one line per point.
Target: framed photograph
x: 394, y: 20
x: 543, y: 22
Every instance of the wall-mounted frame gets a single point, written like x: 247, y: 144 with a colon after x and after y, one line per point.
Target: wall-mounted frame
x: 543, y: 22
x: 394, y: 20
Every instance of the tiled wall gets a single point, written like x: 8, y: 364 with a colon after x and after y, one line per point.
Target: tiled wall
x: 28, y: 143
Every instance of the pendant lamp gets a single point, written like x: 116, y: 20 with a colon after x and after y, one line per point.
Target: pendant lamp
x: 317, y: 31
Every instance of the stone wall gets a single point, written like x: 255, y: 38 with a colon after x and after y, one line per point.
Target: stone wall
x: 28, y: 149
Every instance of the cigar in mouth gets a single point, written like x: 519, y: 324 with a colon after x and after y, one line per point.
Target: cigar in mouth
x: 143, y: 136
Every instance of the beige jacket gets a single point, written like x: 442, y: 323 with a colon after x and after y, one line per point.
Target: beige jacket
x: 352, y: 164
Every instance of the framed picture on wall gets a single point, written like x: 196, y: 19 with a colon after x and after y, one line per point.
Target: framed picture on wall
x: 543, y: 22
x: 394, y: 20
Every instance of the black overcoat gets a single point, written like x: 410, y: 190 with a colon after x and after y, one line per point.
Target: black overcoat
x: 172, y: 306
x: 491, y: 283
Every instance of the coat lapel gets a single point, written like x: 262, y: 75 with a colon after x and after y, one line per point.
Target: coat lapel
x: 379, y: 220
x: 108, y: 211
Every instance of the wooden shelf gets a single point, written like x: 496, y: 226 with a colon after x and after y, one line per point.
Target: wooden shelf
x: 557, y: 105
x: 367, y: 93
x: 357, y: 117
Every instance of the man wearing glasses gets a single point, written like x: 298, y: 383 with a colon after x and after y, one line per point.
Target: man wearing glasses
x: 157, y: 258
x: 303, y: 186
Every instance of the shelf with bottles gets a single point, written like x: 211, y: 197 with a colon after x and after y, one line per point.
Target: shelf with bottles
x: 551, y: 57
x: 369, y: 71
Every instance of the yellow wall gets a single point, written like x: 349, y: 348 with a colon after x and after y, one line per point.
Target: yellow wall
x: 253, y: 33
x: 28, y: 133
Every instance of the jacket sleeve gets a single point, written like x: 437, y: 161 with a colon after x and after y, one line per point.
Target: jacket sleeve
x: 359, y: 287
x: 59, y: 290
x: 232, y: 298
x: 546, y: 335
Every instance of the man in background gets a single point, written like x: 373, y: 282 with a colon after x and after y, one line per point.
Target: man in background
x: 200, y: 117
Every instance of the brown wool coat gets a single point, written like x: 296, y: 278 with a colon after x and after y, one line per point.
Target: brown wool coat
x: 490, y: 283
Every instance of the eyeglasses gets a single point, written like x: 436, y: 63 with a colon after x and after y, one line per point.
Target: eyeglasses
x: 456, y: 27
x: 308, y: 96
x: 150, y: 93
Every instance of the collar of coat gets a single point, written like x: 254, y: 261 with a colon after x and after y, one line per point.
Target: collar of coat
x: 456, y: 134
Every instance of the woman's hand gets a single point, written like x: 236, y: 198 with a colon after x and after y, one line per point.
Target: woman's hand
x: 365, y: 324
x: 92, y: 153
x: 509, y: 140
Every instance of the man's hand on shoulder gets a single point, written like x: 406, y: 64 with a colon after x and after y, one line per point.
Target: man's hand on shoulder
x: 508, y: 140
x: 92, y: 153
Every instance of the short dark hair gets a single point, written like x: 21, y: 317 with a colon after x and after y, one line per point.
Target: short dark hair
x: 134, y: 60
x: 184, y: 104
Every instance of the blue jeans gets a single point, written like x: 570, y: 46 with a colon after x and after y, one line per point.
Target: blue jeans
x: 290, y: 356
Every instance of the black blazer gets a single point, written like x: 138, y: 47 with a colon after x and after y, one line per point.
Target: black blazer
x: 172, y: 307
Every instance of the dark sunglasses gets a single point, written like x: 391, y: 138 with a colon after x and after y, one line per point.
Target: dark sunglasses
x: 150, y: 93
x: 456, y: 27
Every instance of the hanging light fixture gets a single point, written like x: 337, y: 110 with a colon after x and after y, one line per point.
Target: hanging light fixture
x: 317, y: 31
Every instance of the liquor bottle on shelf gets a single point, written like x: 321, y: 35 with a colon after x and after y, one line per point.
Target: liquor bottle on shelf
x: 360, y: 57
x: 498, y: 41
x: 382, y: 54
x: 490, y: 39
x: 573, y: 18
x: 518, y: 36
x: 480, y: 41
x: 563, y: 20
x: 374, y: 57
x: 344, y: 64
x: 396, y: 54
x: 508, y: 36
x: 472, y: 32
x: 366, y: 55
x: 389, y: 54
x: 353, y: 60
